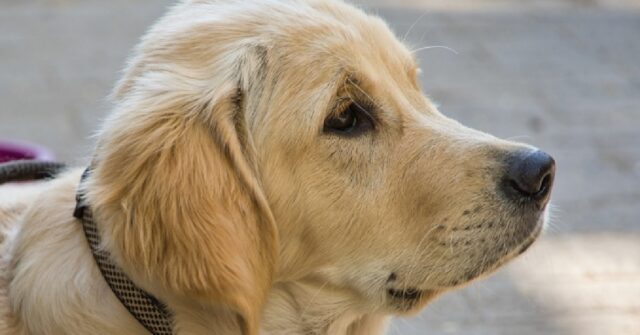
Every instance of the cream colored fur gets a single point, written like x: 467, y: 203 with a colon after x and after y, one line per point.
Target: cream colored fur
x: 216, y: 189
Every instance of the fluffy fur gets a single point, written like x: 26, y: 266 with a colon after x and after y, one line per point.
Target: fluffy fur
x: 216, y: 188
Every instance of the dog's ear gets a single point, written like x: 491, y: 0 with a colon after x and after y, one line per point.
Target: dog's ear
x: 175, y: 188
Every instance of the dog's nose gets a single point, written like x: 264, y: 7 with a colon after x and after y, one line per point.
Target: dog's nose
x: 530, y: 174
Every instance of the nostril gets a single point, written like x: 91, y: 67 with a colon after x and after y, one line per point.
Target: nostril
x: 544, y: 186
x: 531, y: 173
x: 531, y: 188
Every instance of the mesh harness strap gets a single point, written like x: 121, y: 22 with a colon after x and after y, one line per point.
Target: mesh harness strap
x: 151, y: 313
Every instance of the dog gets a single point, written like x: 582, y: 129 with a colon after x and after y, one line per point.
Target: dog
x: 270, y: 167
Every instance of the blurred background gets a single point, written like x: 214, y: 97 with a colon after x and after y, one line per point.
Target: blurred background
x: 563, y: 75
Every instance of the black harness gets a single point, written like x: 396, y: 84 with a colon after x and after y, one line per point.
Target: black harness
x: 151, y: 313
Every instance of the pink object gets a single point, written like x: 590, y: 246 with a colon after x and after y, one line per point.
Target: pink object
x: 11, y: 150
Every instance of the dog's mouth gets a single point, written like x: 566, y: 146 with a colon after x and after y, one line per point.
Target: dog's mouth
x: 405, y: 300
x: 506, y: 252
x: 409, y: 294
x: 528, y: 242
x: 409, y: 300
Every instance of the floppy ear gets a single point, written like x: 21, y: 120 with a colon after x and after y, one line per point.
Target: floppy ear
x: 175, y: 189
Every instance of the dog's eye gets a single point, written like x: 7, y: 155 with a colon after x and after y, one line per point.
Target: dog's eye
x: 351, y: 121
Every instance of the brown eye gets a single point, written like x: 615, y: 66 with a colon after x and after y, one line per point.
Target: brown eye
x: 353, y: 120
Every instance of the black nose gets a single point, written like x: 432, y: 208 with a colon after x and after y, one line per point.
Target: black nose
x: 530, y: 174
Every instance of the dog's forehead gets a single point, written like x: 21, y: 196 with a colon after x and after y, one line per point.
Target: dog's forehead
x: 347, y: 50
x: 340, y: 35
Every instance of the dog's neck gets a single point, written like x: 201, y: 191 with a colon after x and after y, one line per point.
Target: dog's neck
x: 293, y: 307
x: 301, y: 307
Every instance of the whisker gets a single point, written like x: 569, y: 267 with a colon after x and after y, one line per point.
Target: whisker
x: 415, y: 258
x: 304, y: 311
x: 436, y: 47
x: 373, y: 101
x: 518, y: 137
x: 553, y: 220
x: 406, y: 34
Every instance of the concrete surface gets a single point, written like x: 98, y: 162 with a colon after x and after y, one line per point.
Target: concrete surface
x: 562, y: 75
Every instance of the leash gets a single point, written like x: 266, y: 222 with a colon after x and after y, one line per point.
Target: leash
x: 151, y: 313
x: 22, y: 170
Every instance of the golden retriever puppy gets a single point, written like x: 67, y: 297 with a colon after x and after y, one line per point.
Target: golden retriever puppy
x: 271, y: 167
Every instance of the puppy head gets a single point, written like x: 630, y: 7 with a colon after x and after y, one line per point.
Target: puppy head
x: 239, y: 123
x: 374, y: 191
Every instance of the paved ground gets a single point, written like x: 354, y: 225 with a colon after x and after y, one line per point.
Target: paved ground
x: 563, y: 75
